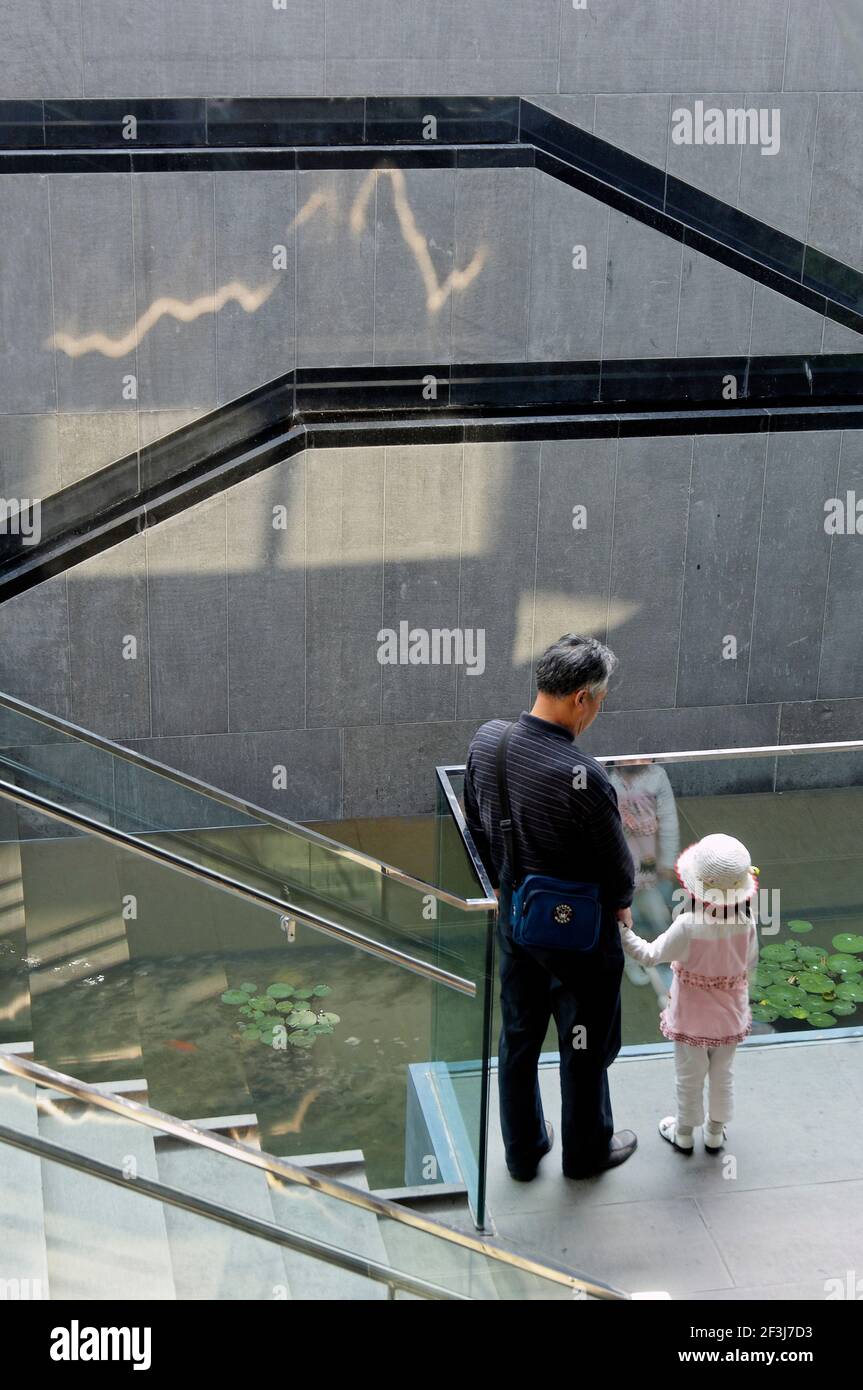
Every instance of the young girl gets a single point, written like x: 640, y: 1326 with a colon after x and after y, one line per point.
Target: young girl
x: 712, y: 945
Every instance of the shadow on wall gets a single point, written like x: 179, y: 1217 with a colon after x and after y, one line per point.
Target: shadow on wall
x: 242, y: 639
x: 253, y: 631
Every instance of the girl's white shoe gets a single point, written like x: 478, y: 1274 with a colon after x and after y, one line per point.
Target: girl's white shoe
x: 668, y: 1129
x: 714, y: 1137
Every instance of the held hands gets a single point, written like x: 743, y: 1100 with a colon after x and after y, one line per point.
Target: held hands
x: 624, y: 918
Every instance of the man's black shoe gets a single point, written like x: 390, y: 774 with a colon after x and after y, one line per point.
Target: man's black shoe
x: 528, y: 1176
x: 623, y: 1145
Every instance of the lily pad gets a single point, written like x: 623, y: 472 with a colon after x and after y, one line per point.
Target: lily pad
x: 814, y: 982
x: 844, y: 965
x: 822, y: 1020
x: 851, y: 990
x: 779, y: 951
x: 279, y: 991
x: 799, y: 926
x: 786, y: 996
x: 301, y: 1040
x: 235, y: 996
x: 764, y: 1013
x: 303, y: 993
x: 302, y: 1018
x: 250, y: 1034
x: 331, y: 1018
x: 766, y: 975
x: 262, y: 1002
x: 250, y: 989
x: 798, y: 1013
x: 848, y: 944
x: 320, y: 990
x: 812, y: 955
x: 843, y: 1008
x: 286, y: 1006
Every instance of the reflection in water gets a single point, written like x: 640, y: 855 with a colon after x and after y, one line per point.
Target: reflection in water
x: 437, y: 292
x: 322, y: 198
x: 294, y: 1124
x: 164, y: 307
x: 251, y: 299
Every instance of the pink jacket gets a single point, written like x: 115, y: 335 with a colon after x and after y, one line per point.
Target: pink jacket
x: 708, y: 1004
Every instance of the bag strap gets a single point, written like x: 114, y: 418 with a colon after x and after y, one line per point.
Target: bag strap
x: 505, y: 809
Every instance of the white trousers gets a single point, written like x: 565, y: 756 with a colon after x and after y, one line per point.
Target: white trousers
x: 694, y: 1066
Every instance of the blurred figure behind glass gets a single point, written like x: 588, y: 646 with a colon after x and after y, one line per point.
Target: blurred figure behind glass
x: 649, y: 814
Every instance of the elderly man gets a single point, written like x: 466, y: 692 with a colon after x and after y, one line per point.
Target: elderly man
x: 565, y: 824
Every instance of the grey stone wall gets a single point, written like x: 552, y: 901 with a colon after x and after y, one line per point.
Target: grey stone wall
x: 622, y: 66
x: 199, y: 287
x: 258, y: 645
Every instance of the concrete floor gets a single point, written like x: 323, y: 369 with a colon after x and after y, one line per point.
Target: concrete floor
x: 781, y: 1220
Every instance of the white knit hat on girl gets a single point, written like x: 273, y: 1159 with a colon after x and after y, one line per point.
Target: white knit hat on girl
x: 718, y: 870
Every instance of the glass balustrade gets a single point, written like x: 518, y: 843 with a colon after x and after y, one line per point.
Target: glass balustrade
x: 111, y: 785
x: 800, y: 815
x: 124, y: 1203
x: 117, y: 965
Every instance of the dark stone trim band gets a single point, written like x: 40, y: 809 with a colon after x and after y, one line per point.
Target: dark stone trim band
x: 230, y: 133
x: 349, y: 407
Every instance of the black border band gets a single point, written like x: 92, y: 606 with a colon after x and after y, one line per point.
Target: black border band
x: 233, y: 133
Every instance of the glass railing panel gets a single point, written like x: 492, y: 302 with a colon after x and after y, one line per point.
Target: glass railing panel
x: 461, y: 1089
x: 806, y: 842
x: 81, y: 1236
x: 124, y: 967
x: 100, y: 783
x: 144, y: 1225
x: 267, y: 853
x: 800, y: 815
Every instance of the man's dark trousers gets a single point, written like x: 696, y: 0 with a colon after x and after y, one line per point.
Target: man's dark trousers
x: 582, y: 993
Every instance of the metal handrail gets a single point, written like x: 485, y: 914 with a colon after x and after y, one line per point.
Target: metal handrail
x: 454, y: 807
x: 145, y: 850
x: 236, y: 803
x: 445, y: 772
x: 717, y: 754
x: 157, y: 1120
x: 50, y: 1152
x: 767, y: 750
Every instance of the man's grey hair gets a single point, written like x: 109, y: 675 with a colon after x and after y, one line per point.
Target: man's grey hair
x: 575, y: 663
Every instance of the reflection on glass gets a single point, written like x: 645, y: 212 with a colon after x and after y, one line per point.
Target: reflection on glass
x: 650, y: 823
